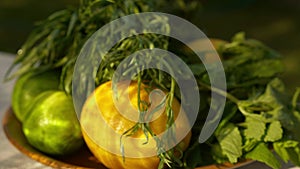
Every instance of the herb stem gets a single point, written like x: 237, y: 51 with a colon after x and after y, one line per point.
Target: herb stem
x: 220, y: 92
x: 295, y: 98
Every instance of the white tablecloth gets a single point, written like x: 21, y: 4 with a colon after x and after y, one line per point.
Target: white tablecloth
x: 11, y: 158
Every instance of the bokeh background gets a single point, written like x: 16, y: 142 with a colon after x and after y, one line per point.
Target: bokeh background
x: 274, y: 22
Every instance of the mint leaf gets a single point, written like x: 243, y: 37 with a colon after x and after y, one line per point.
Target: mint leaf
x: 259, y: 70
x: 245, y: 61
x: 273, y: 105
x: 239, y: 37
x: 276, y: 96
x: 218, y: 154
x: 230, y: 141
x: 255, y: 127
x: 294, y: 154
x: 250, y: 144
x: 274, y: 132
x: 263, y: 154
x: 281, y: 151
x: 288, y: 150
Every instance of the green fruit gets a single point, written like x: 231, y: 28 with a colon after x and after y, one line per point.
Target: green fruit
x: 52, y: 125
x: 28, y: 86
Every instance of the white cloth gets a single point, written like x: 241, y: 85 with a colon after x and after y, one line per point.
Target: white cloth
x: 10, y: 157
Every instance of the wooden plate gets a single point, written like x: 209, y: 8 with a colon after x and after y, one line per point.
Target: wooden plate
x: 83, y: 159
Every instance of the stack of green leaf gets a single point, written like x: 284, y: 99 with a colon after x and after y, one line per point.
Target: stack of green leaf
x: 261, y: 120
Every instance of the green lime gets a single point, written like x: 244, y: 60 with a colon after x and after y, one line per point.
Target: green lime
x: 51, y: 125
x: 28, y: 86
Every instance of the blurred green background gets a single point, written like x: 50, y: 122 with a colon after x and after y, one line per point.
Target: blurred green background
x: 274, y: 22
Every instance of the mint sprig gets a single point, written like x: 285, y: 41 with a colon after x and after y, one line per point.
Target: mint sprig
x: 260, y: 118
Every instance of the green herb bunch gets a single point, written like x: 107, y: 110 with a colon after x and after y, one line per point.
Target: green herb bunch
x: 260, y: 121
x: 57, y: 41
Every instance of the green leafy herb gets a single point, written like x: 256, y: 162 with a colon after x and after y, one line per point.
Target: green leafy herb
x: 288, y: 150
x: 57, y: 41
x: 255, y: 127
x: 231, y: 142
x: 274, y: 132
x: 263, y: 154
x: 259, y: 112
